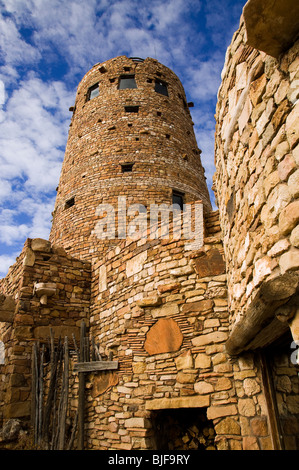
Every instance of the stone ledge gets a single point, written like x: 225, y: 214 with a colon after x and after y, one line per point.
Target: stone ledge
x: 197, y: 401
x: 271, y: 27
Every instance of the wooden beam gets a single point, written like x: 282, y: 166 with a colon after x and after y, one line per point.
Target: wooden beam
x: 94, y: 366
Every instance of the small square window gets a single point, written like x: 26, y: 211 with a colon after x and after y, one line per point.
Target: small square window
x: 127, y: 167
x: 131, y: 109
x: 69, y: 203
x: 127, y: 81
x: 161, y: 87
x: 178, y: 198
x: 93, y: 92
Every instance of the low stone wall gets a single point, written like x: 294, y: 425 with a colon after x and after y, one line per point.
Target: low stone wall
x: 40, y: 265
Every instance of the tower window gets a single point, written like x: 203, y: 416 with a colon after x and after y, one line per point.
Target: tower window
x: 131, y: 109
x: 69, y: 203
x: 178, y: 198
x: 127, y: 167
x: 93, y: 92
x: 127, y: 81
x: 161, y: 87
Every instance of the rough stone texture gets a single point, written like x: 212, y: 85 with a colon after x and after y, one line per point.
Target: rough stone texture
x: 271, y: 26
x: 103, y: 135
x: 256, y: 165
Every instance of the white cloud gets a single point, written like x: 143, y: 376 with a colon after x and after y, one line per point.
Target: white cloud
x: 2, y: 93
x: 6, y: 261
x: 14, y: 50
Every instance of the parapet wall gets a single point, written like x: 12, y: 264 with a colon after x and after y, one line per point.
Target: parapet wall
x: 257, y: 185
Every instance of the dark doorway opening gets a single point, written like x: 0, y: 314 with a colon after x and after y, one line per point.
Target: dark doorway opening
x: 183, y: 429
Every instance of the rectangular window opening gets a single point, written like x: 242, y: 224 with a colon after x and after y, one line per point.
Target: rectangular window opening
x: 178, y: 198
x: 161, y: 87
x: 127, y: 167
x: 127, y: 81
x: 131, y: 109
x: 93, y: 92
x: 69, y: 203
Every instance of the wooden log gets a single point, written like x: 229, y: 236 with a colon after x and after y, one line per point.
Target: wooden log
x: 34, y: 377
x: 41, y: 395
x: 94, y: 366
x: 81, y: 401
x: 64, y: 396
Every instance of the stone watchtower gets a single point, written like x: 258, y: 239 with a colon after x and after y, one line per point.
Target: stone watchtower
x: 131, y: 135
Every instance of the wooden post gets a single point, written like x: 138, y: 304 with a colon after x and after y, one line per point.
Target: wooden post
x: 81, y: 401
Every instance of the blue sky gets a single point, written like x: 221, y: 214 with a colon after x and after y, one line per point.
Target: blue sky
x: 46, y: 46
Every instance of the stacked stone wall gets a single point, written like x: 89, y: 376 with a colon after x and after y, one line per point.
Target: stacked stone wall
x: 34, y: 315
x: 158, y: 140
x: 256, y: 179
x: 162, y: 313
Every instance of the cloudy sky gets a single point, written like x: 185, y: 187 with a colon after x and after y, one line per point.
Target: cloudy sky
x: 46, y: 46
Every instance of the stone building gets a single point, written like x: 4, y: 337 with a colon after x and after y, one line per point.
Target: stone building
x: 200, y: 327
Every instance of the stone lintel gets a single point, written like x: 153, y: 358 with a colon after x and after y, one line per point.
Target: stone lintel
x: 271, y: 27
x: 259, y: 326
x: 197, y: 401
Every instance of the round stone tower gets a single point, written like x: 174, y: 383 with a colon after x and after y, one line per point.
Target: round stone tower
x: 131, y: 135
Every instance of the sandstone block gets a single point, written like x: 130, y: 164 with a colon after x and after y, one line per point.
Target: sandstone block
x: 286, y: 167
x: 259, y: 426
x: 168, y: 287
x: 203, y: 387
x: 102, y: 278
x: 292, y: 128
x: 183, y: 271
x: 202, y: 361
x: 279, y: 247
x: 150, y: 301
x: 214, y: 412
x: 197, y: 401
x: 250, y: 443
x: 251, y: 387
x: 198, y: 306
x: 102, y: 382
x: 165, y: 310
x: 164, y: 336
x: 210, y: 338
x: 228, y: 426
x: 294, y: 238
x: 184, y: 361
x: 185, y: 377
x: 135, y: 265
x: 223, y: 383
x: 270, y: 182
x: 137, y: 423
x: 246, y: 407
x: 29, y: 258
x: 210, y: 264
x: 39, y: 244
x: 289, y: 218
x: 257, y: 89
x: 293, y: 184
x: 261, y: 269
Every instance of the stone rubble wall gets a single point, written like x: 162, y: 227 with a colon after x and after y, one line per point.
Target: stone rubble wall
x: 39, y: 262
x: 257, y: 174
x: 159, y: 140
x: 163, y: 314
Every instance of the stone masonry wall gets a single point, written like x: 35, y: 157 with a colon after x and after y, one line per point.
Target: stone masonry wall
x: 163, y: 314
x: 39, y: 263
x: 257, y: 174
x: 157, y: 138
